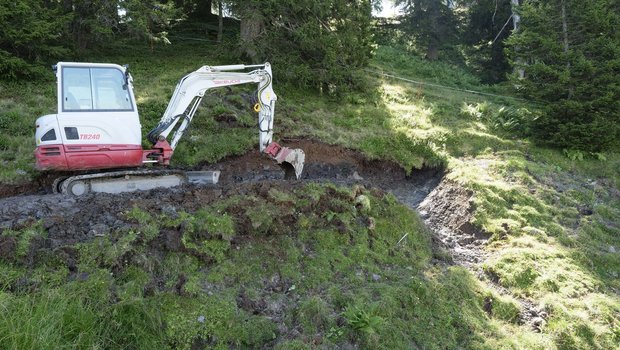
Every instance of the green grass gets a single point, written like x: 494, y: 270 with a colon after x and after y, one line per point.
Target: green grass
x: 328, y: 278
x: 20, y: 104
x: 553, y: 219
x: 77, y: 314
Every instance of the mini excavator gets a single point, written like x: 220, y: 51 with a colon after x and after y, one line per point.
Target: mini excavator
x: 97, y: 133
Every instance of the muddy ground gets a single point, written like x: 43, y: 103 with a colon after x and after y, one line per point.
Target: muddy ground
x: 445, y: 207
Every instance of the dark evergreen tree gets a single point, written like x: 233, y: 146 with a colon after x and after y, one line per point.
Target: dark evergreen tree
x: 316, y: 43
x: 94, y: 22
x: 487, y: 25
x: 570, y: 53
x: 31, y: 35
x: 148, y: 19
x: 432, y: 23
x: 36, y: 33
x: 99, y: 23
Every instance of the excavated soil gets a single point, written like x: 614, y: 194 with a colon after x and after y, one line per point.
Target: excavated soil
x: 448, y: 211
x: 444, y: 206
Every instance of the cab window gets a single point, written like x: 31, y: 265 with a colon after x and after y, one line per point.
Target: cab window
x: 94, y: 89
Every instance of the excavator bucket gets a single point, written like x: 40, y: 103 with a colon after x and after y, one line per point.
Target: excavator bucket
x: 293, y: 163
x: 292, y: 160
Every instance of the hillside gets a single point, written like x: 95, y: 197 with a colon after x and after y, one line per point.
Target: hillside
x: 423, y: 220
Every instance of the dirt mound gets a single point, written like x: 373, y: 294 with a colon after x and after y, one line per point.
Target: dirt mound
x: 324, y: 162
x: 75, y: 219
x: 447, y: 211
x: 41, y: 185
x: 328, y: 163
x: 445, y: 206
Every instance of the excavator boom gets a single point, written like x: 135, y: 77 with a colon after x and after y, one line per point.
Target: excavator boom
x: 189, y: 93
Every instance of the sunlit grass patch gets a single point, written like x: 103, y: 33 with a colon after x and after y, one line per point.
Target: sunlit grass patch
x: 534, y: 268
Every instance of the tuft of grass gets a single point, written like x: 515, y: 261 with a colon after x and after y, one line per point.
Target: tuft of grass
x: 24, y: 237
x: 503, y: 307
x: 314, y: 315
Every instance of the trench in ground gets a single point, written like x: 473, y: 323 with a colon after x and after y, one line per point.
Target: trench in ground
x: 445, y: 207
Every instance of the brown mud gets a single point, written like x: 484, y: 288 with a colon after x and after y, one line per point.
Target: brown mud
x: 448, y: 211
x: 444, y: 206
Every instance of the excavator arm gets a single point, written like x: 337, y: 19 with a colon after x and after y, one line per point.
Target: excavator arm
x: 187, y: 97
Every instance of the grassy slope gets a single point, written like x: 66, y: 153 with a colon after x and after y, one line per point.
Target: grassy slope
x: 534, y: 201
x: 546, y: 246
x: 336, y: 273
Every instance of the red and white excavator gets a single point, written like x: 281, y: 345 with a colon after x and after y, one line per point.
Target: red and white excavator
x: 97, y: 127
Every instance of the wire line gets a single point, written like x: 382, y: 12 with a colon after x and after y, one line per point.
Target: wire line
x: 446, y: 87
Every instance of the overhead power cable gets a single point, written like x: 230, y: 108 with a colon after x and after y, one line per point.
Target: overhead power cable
x: 501, y: 30
x: 446, y: 87
x: 189, y: 38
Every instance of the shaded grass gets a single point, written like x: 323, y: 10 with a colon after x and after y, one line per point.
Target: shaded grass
x: 78, y: 314
x: 334, y: 276
x: 20, y: 104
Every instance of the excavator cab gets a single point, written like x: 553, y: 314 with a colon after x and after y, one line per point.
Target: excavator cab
x: 97, y: 124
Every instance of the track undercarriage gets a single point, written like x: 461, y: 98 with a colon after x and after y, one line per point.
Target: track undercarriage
x: 132, y: 180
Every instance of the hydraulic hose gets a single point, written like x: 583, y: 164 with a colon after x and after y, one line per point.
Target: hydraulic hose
x: 153, y: 135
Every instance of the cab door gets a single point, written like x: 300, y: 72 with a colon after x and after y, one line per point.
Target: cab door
x: 97, y: 116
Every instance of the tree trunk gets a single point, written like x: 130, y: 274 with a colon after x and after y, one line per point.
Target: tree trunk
x: 564, y: 27
x: 571, y: 89
x: 204, y: 8
x: 67, y: 6
x: 220, y: 21
x: 516, y: 21
x: 251, y: 27
x: 432, y: 49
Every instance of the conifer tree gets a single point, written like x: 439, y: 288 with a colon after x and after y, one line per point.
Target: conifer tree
x: 30, y: 35
x: 321, y: 42
x: 432, y: 23
x: 487, y: 25
x: 570, y: 53
x: 34, y: 34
